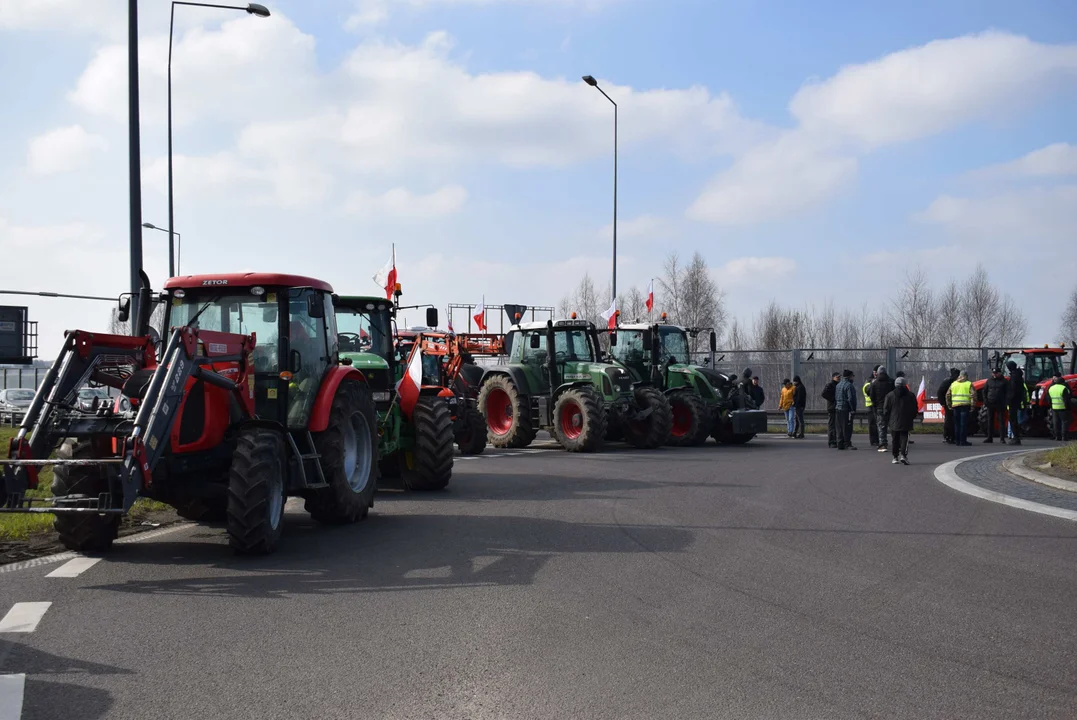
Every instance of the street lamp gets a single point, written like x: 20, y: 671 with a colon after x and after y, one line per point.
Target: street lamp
x: 251, y: 9
x: 594, y: 83
x: 172, y: 271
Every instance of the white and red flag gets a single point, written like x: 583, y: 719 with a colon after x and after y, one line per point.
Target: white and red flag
x: 386, y: 277
x: 650, y: 296
x: 921, y: 395
x: 408, y: 387
x: 480, y: 314
x: 610, y: 316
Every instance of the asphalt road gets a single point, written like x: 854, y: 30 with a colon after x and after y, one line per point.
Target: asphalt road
x: 776, y: 580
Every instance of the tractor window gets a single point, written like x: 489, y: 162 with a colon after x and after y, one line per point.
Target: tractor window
x: 365, y: 330
x: 674, y: 346
x: 629, y: 347
x: 240, y: 314
x: 1041, y: 367
x: 573, y: 345
x: 308, y: 354
x: 528, y: 354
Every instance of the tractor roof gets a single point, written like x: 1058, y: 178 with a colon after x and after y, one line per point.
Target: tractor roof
x: 243, y: 280
x: 361, y: 302
x: 1038, y: 351
x: 648, y: 326
x: 557, y: 324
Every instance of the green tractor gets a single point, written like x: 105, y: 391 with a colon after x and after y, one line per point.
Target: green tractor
x: 705, y: 402
x: 557, y: 379
x: 415, y: 453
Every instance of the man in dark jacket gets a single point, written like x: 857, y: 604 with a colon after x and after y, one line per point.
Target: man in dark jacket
x: 845, y: 407
x: 800, y: 401
x: 947, y: 411
x: 881, y: 386
x: 830, y: 395
x: 757, y: 392
x: 900, y: 408
x: 1015, y: 396
x: 996, y: 394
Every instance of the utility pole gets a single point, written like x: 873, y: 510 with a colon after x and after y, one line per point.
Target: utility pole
x: 134, y: 155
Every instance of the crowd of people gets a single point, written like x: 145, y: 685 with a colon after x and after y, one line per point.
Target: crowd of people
x: 891, y: 407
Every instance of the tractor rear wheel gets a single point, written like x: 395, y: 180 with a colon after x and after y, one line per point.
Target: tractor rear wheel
x: 507, y: 413
x: 432, y: 454
x: 256, y: 491
x: 691, y: 424
x: 653, y: 431
x: 579, y: 420
x: 472, y: 438
x: 348, y: 448
x: 82, y: 532
x: 982, y: 421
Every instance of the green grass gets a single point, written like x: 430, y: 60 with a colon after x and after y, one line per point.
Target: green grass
x: 1063, y: 458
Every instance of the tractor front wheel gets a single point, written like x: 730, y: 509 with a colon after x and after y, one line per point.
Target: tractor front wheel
x: 84, y: 532
x: 507, y: 413
x: 472, y: 438
x: 653, y: 431
x: 579, y: 421
x: 691, y: 425
x: 256, y: 491
x: 432, y: 456
x: 348, y: 448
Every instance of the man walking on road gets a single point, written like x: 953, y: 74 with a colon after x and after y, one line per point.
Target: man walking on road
x: 947, y: 411
x: 1015, y: 396
x: 830, y: 395
x: 845, y: 406
x: 996, y: 392
x: 1060, y: 396
x: 800, y: 401
x: 873, y: 430
x: 959, y: 397
x: 785, y: 404
x: 881, y: 386
x: 900, y: 409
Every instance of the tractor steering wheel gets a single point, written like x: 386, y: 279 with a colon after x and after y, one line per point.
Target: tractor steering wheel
x: 355, y: 340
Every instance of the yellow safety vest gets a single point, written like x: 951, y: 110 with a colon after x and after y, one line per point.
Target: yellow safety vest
x: 1055, y: 393
x: 867, y: 399
x: 961, y: 394
x: 1028, y: 400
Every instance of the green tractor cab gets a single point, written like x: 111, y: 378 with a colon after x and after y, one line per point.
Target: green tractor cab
x: 415, y: 453
x: 557, y: 379
x: 705, y: 402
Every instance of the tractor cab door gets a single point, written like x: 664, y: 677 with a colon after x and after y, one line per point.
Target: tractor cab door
x: 531, y: 352
x: 309, y: 353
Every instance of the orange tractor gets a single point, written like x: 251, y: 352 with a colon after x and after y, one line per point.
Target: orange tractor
x: 1039, y: 366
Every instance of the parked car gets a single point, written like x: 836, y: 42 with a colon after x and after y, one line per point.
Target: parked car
x: 13, y: 404
x: 90, y: 399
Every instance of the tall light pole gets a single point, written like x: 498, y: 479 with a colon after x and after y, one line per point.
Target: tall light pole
x: 134, y: 156
x: 172, y: 271
x: 594, y: 83
x: 251, y: 9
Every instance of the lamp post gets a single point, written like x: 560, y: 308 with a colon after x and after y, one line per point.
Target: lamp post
x: 594, y: 83
x: 134, y: 155
x: 250, y: 9
x: 172, y: 271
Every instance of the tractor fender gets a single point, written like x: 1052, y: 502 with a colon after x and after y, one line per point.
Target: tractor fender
x: 515, y: 374
x: 570, y: 385
x: 319, y: 415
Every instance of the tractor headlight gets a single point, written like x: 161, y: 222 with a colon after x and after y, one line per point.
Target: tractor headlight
x: 381, y: 396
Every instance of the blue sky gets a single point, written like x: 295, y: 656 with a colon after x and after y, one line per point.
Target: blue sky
x: 810, y: 151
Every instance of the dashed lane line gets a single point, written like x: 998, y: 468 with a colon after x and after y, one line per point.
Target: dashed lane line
x: 60, y: 557
x: 74, y: 567
x: 23, y: 617
x: 11, y: 693
x: 947, y: 475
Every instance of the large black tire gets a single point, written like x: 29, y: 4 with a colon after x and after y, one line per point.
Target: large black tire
x: 691, y: 423
x: 980, y: 421
x: 82, y: 532
x: 655, y: 429
x: 256, y: 484
x: 432, y: 454
x: 579, y: 420
x: 507, y: 413
x: 349, y: 450
x: 472, y: 438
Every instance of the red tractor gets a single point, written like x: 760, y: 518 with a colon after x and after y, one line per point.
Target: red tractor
x: 1039, y: 366
x: 244, y: 404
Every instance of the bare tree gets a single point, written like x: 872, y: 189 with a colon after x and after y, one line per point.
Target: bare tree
x: 982, y: 306
x: 690, y: 297
x: 737, y: 338
x: 1068, y: 330
x: 633, y: 305
x: 1012, y: 324
x: 949, y: 330
x: 912, y: 313
x: 670, y: 284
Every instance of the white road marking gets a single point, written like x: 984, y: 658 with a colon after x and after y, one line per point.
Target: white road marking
x: 11, y: 692
x: 60, y: 557
x: 947, y: 475
x: 74, y: 567
x: 23, y: 617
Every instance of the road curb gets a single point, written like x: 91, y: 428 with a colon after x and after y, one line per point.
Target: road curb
x: 1016, y: 466
x: 947, y: 475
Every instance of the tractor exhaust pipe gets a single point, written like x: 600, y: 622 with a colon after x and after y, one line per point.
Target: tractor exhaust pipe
x: 1073, y: 358
x: 144, y: 309
x: 551, y: 358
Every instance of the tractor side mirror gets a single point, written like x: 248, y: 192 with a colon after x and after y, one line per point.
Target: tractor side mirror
x: 123, y: 313
x: 536, y: 341
x: 648, y: 339
x: 713, y: 341
x: 613, y: 339
x: 315, y: 306
x: 432, y: 317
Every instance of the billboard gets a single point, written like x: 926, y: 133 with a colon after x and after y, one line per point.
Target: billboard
x: 15, y: 345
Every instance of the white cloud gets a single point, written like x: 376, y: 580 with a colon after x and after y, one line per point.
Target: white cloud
x: 63, y: 149
x: 1039, y: 220
x: 754, y: 270
x: 644, y: 226
x: 400, y: 202
x: 374, y: 12
x: 96, y: 16
x: 1056, y: 160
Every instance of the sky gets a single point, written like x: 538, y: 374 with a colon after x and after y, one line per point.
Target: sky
x: 811, y: 152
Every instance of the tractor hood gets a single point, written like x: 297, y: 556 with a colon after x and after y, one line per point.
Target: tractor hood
x: 620, y: 379
x: 365, y: 361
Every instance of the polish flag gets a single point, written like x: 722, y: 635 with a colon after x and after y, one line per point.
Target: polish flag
x: 650, y: 296
x: 450, y: 327
x: 480, y: 315
x: 610, y: 316
x: 921, y: 395
x: 386, y: 277
x: 408, y: 387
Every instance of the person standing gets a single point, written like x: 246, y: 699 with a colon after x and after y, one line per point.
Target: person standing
x: 830, y: 394
x: 959, y: 397
x: 1015, y: 396
x: 881, y: 386
x: 1060, y: 396
x: 996, y: 392
x: 873, y: 430
x: 785, y: 404
x: 800, y: 402
x: 757, y: 392
x: 845, y: 406
x: 900, y: 409
x: 947, y: 412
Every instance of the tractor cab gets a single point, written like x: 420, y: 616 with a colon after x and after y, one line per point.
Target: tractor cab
x: 1038, y: 364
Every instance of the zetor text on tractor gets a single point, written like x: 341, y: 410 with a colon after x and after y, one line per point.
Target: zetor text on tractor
x: 244, y: 404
